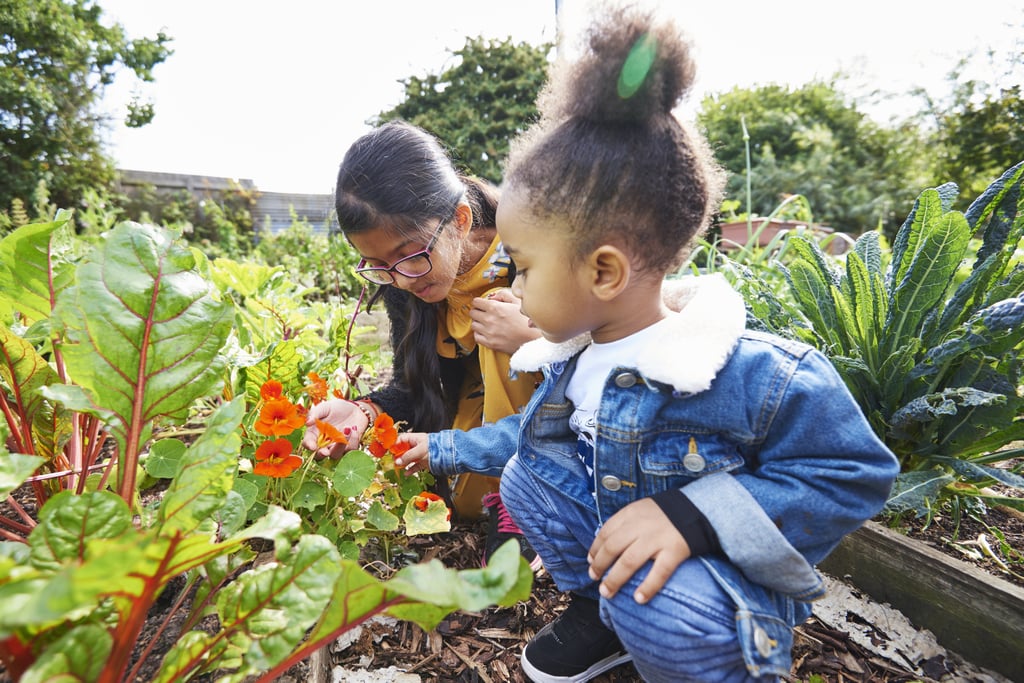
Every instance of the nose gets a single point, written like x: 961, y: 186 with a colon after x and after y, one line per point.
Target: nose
x: 403, y: 281
x: 516, y: 289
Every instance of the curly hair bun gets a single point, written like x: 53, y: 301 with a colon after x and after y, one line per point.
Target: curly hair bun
x: 635, y: 66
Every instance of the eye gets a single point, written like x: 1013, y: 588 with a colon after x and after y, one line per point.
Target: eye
x: 519, y: 270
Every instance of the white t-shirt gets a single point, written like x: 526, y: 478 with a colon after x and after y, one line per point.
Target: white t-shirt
x: 587, y: 382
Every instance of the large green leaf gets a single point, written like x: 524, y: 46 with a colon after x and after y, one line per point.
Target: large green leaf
x: 1001, y: 204
x: 15, y: 469
x: 931, y: 204
x: 941, y: 247
x: 34, y: 268
x: 814, y: 294
x: 917, y: 491
x: 143, y: 334
x: 67, y: 522
x: 78, y: 655
x: 23, y: 372
x: 268, y: 610
x: 206, y: 472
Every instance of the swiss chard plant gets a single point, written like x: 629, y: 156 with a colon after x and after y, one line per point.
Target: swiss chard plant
x: 102, y: 345
x: 928, y: 337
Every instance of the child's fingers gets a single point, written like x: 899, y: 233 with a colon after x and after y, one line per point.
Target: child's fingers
x: 623, y: 568
x: 661, y: 570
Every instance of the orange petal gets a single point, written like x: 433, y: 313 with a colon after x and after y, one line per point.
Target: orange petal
x: 271, y: 389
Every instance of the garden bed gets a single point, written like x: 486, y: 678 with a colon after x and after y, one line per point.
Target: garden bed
x: 975, y: 607
x: 485, y: 646
x: 849, y: 639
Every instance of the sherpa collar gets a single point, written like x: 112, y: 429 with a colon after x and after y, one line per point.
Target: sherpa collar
x: 688, y: 351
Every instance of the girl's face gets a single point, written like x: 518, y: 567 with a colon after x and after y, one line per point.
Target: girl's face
x: 384, y: 246
x: 555, y: 295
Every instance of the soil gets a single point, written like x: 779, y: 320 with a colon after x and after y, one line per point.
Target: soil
x: 485, y: 646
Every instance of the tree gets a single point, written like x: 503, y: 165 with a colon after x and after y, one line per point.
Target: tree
x: 978, y: 129
x: 476, y: 106
x: 809, y: 141
x: 57, y: 57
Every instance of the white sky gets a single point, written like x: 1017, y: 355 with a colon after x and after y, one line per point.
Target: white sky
x: 276, y: 91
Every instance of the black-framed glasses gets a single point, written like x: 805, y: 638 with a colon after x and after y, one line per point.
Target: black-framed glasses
x: 413, y: 265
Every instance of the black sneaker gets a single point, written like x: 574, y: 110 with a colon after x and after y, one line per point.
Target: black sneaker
x: 575, y: 647
x: 501, y: 528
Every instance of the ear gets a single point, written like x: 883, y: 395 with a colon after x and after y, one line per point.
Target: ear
x: 463, y: 219
x: 609, y: 271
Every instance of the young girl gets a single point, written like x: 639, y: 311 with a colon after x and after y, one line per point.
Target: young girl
x: 679, y: 475
x: 428, y: 241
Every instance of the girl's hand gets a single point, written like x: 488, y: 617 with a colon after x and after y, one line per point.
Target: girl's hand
x: 340, y: 414
x: 635, y: 534
x: 416, y: 458
x: 499, y: 324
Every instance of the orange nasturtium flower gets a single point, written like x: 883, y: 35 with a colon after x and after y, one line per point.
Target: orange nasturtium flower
x: 317, y: 388
x: 271, y: 390
x: 383, y: 438
x: 279, y: 417
x: 328, y: 434
x: 275, y: 459
x: 422, y: 499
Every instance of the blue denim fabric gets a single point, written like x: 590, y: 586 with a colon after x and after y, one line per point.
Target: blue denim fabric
x: 772, y: 449
x: 707, y: 624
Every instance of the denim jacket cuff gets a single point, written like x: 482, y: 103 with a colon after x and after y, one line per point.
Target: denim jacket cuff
x: 751, y: 540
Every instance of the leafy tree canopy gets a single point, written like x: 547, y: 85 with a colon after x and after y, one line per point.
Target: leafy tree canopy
x: 810, y: 141
x: 57, y: 57
x: 978, y: 129
x: 476, y: 106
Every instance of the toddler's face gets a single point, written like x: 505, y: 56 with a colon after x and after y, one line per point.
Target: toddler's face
x: 554, y: 296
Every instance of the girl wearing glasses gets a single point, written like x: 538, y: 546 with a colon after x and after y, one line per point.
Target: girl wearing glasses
x: 428, y: 240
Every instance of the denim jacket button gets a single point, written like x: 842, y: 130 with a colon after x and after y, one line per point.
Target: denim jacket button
x: 625, y: 380
x: 694, y: 462
x: 611, y: 483
x: 763, y: 642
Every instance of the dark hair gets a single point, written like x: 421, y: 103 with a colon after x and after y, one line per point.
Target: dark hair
x: 399, y: 175
x: 609, y: 156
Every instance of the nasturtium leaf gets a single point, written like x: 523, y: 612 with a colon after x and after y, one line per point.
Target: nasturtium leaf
x: 248, y: 490
x: 380, y: 518
x: 164, y: 458
x: 433, y: 520
x: 410, y: 486
x: 310, y: 496
x: 355, y: 471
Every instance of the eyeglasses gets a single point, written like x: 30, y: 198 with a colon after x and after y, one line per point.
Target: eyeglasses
x: 413, y: 265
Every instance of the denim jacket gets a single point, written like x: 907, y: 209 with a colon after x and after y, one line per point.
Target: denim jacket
x: 759, y: 432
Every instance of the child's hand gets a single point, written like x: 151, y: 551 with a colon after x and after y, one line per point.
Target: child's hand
x: 635, y: 534
x: 415, y: 459
x: 340, y: 414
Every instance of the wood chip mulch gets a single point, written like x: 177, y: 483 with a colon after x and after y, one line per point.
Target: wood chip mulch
x: 485, y: 646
